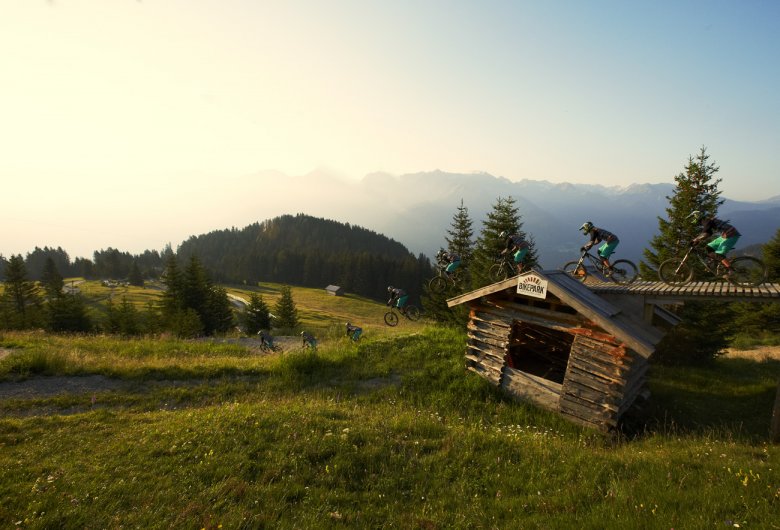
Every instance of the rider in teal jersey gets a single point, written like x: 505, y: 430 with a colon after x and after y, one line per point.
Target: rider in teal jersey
x: 597, y: 235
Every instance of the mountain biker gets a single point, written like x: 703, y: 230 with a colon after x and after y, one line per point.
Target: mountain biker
x: 397, y: 297
x: 308, y: 340
x: 266, y: 339
x: 517, y: 246
x: 719, y: 246
x: 597, y: 235
x: 452, y: 259
x: 354, y: 332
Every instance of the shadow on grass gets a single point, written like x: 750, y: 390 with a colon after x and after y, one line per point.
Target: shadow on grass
x: 731, y: 398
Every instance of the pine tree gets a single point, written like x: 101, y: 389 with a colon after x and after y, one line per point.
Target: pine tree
x: 504, y: 217
x: 705, y: 326
x: 697, y: 189
x: 51, y: 279
x: 20, y: 300
x: 460, y: 234
x: 285, y: 311
x: 68, y: 313
x: 135, y: 277
x: 256, y: 315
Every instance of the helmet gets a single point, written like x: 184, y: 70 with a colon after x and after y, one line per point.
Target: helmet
x: 440, y: 253
x: 347, y: 324
x: 303, y: 332
x: 695, y: 216
x: 503, y: 234
x: 389, y: 288
x: 586, y: 227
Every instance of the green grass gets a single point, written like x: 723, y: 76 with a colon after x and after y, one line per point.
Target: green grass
x: 392, y: 432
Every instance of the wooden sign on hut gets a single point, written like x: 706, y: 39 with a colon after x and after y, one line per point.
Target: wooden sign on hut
x: 546, y: 338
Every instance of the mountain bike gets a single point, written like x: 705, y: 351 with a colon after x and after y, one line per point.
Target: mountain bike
x: 410, y: 311
x: 622, y: 272
x: 442, y: 281
x: 504, y: 268
x: 745, y: 271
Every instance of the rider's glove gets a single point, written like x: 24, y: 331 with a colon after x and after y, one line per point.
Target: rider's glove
x: 583, y: 249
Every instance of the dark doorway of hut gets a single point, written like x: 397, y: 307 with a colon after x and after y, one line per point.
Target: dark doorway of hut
x: 539, y: 351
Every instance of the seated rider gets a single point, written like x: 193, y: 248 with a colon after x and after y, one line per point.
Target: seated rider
x: 266, y: 339
x: 397, y: 297
x: 450, y: 258
x: 354, y: 332
x: 718, y: 247
x: 308, y: 340
x: 517, y: 246
x: 597, y: 235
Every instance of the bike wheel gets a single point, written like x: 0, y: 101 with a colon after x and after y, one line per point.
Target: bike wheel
x: 623, y: 272
x: 674, y: 272
x: 412, y: 312
x: 576, y: 270
x: 438, y: 284
x: 391, y: 319
x: 498, y: 272
x: 747, y: 271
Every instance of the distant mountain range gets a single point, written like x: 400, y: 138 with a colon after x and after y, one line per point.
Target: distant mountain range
x: 417, y: 209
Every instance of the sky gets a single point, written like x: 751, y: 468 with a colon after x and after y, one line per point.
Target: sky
x: 115, y: 115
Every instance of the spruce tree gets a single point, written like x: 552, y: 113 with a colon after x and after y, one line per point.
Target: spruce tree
x: 460, y: 234
x: 135, y: 277
x: 256, y: 315
x: 51, y: 279
x: 20, y: 300
x: 696, y: 189
x: 285, y: 311
x: 505, y: 217
x: 68, y: 313
x: 705, y: 326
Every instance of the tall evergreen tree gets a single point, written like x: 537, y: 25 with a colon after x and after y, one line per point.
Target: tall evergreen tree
x: 256, y: 315
x: 68, y: 313
x: 705, y: 326
x: 51, y: 279
x: 20, y: 300
x: 696, y: 189
x: 504, y: 217
x: 135, y: 277
x: 285, y: 311
x: 460, y: 234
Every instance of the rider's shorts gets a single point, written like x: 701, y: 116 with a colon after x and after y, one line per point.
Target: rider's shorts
x: 452, y: 266
x: 520, y: 255
x: 606, y: 250
x: 402, y: 301
x: 720, y: 246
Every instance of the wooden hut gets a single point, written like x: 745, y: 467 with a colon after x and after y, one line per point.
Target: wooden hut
x: 334, y: 290
x: 546, y: 338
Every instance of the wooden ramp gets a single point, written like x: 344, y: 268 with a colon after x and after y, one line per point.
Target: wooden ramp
x: 668, y: 294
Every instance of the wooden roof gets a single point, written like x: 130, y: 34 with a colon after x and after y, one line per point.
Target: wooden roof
x: 626, y: 327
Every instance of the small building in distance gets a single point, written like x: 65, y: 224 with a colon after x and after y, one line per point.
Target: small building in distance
x: 334, y: 290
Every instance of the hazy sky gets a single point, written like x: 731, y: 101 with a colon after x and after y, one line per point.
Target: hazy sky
x: 111, y: 110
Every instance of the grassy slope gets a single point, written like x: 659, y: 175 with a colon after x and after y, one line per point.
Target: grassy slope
x: 390, y: 433
x: 317, y: 310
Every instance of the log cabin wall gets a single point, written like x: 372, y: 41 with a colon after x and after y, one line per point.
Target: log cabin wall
x: 487, y: 345
x: 603, y: 379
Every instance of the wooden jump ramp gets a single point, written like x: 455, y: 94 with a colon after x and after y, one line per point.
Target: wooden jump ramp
x: 580, y: 349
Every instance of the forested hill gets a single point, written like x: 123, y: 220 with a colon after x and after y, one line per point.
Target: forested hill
x: 308, y: 251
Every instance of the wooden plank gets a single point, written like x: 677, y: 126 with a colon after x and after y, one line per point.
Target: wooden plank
x: 599, y: 399
x: 492, y: 319
x: 485, y: 374
x: 489, y: 331
x: 531, y: 388
x: 487, y: 362
x: 559, y: 317
x: 572, y: 406
x: 481, y: 337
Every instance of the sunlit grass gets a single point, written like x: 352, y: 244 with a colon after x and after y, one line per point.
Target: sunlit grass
x: 391, y: 432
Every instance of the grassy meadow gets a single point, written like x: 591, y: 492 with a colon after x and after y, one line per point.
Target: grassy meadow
x: 392, y: 432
